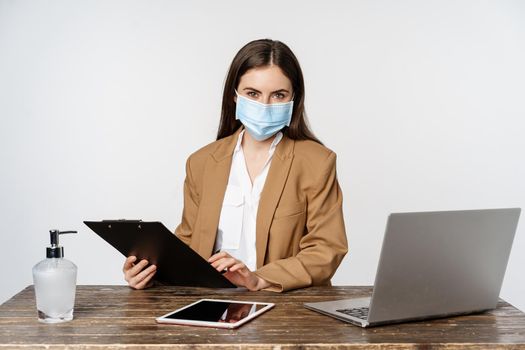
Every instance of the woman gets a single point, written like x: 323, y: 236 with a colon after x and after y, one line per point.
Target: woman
x: 262, y: 202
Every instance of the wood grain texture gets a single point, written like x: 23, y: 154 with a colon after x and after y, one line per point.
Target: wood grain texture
x: 118, y: 317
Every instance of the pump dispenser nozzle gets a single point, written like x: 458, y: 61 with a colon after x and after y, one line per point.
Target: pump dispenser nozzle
x: 56, y: 251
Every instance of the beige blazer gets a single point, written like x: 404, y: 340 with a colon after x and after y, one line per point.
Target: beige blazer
x: 300, y: 231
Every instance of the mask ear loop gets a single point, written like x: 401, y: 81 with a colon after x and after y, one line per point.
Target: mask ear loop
x: 291, y: 117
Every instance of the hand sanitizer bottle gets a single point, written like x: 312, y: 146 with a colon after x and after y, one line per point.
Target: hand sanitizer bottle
x: 55, y: 281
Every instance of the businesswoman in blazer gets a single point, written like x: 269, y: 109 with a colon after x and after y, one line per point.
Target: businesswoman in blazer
x: 263, y: 201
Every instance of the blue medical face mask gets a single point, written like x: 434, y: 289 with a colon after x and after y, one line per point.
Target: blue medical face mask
x: 263, y: 120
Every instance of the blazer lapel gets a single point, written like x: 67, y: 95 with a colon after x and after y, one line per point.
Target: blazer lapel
x: 273, y: 187
x: 215, y: 180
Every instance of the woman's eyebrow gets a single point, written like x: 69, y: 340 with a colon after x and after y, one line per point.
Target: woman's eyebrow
x: 252, y: 89
x: 257, y: 91
x: 280, y: 90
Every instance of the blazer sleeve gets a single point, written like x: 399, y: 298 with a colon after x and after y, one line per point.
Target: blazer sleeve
x: 324, y: 243
x: 191, y: 206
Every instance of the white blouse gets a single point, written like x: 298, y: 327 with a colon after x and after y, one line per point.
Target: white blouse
x: 237, y: 223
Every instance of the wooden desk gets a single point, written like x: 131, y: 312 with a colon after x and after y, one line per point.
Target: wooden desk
x: 118, y: 317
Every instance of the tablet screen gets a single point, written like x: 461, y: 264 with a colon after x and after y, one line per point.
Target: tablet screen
x: 217, y: 311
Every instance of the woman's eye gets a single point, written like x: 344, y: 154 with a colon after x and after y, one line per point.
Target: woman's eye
x: 252, y: 94
x: 279, y: 96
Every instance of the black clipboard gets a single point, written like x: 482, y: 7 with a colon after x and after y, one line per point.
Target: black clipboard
x: 177, y: 264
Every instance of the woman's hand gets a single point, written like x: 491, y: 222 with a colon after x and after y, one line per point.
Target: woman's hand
x: 236, y: 272
x: 135, y: 274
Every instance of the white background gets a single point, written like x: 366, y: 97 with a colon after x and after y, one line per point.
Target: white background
x: 102, y: 101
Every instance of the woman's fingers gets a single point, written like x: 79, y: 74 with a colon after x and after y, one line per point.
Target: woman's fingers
x: 135, y: 270
x: 240, y: 267
x: 147, y: 274
x: 236, y: 271
x: 218, y: 256
x: 147, y: 281
x: 224, y: 263
x: 136, y: 273
x: 128, y: 264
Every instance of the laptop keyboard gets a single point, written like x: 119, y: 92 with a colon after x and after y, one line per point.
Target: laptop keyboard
x: 359, y: 312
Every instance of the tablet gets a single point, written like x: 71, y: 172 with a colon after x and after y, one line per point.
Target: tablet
x: 216, y: 313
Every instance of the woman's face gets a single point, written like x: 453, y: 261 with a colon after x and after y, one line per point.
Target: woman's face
x: 266, y: 84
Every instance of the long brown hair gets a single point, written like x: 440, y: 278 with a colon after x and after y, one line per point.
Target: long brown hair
x: 260, y: 53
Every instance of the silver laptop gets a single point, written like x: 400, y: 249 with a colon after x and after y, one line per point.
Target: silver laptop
x: 434, y: 264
